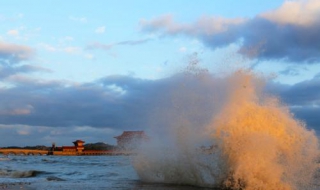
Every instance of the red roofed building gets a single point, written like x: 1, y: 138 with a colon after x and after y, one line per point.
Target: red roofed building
x: 131, y: 139
x: 78, y: 147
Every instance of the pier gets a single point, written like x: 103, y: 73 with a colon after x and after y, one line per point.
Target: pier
x: 23, y: 152
x: 61, y: 153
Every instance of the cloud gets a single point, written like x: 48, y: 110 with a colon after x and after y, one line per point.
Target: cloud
x: 100, y: 30
x: 289, y: 33
x: 61, y: 48
x: 13, y: 32
x: 12, y: 57
x: 78, y: 19
x: 98, y: 45
x: 305, y: 93
x: 309, y: 115
x: 116, y: 103
x: 43, y: 135
x: 203, y: 26
x: 106, y: 47
x: 12, y: 53
x: 303, y: 98
x: 26, y: 110
x: 303, y: 13
x: 6, y: 71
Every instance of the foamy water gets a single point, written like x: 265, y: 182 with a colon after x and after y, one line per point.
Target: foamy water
x: 251, y: 142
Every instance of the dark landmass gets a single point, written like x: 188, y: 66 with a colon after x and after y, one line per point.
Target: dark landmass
x: 99, y: 146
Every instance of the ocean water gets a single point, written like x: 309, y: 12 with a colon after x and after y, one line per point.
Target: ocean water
x: 81, y: 172
x: 76, y: 172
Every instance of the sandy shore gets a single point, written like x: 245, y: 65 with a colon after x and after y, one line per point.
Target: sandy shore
x: 16, y: 186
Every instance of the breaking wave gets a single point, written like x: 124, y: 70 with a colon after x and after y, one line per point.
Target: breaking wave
x: 20, y: 174
x: 251, y: 142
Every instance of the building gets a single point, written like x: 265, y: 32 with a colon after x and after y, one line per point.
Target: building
x: 131, y: 139
x: 69, y: 150
x: 78, y: 147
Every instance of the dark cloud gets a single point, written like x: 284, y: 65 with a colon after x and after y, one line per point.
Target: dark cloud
x: 119, y: 102
x: 127, y: 103
x: 309, y: 115
x: 303, y: 99
x: 6, y: 71
x: 267, y: 39
x: 276, y: 35
x: 306, y: 93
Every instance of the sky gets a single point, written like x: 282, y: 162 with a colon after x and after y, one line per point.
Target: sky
x: 90, y: 70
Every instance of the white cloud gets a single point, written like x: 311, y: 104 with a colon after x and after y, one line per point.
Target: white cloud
x: 100, y: 30
x: 204, y: 25
x: 66, y: 49
x: 23, y: 132
x: 14, y: 53
x: 79, y: 19
x: 13, y: 32
x: 16, y: 111
x: 295, y: 12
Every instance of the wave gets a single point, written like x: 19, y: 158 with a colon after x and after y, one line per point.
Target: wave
x: 251, y: 142
x: 25, y: 174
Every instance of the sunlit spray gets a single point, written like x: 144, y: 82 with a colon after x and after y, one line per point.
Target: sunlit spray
x: 250, y: 141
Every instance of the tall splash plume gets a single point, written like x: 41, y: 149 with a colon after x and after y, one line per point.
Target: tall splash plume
x: 251, y: 142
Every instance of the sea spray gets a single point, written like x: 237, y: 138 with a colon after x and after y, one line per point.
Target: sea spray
x: 251, y: 142
x: 263, y: 145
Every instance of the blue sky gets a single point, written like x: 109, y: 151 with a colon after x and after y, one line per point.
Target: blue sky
x: 73, y: 70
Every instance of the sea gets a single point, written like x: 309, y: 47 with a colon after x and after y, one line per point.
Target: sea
x: 75, y: 172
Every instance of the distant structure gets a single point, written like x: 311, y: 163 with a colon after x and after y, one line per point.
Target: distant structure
x: 69, y: 150
x: 78, y: 147
x: 129, y: 140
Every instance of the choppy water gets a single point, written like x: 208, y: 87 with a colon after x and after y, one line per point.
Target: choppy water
x: 76, y: 172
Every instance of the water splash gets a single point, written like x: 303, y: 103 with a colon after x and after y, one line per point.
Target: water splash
x: 251, y: 142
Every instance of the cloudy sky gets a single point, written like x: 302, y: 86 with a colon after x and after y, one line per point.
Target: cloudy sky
x: 89, y: 70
